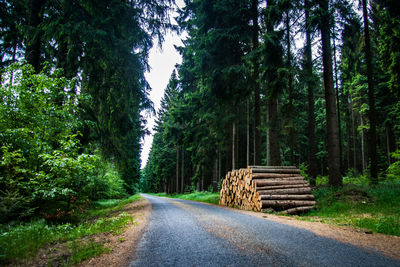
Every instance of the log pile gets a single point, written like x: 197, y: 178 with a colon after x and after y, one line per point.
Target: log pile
x: 262, y: 188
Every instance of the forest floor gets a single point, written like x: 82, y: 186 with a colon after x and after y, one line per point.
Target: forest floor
x: 113, y: 245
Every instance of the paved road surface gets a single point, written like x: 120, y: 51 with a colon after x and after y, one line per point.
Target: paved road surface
x: 186, y: 233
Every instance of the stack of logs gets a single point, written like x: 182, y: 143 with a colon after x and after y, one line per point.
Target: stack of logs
x: 267, y: 188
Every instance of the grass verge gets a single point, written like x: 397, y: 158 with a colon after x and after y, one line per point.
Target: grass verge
x: 374, y: 208
x: 204, y: 196
x: 19, y: 243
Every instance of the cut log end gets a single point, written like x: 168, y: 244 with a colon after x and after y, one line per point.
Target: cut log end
x: 259, y: 188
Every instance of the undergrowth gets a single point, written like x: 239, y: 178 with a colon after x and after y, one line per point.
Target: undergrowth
x: 376, y: 208
x: 22, y: 241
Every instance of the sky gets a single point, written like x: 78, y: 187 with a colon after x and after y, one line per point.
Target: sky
x: 162, y: 62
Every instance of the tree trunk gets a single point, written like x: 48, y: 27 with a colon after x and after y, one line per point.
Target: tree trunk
x: 312, y: 146
x: 234, y: 145
x: 273, y: 133
x: 337, y: 102
x: 183, y: 171
x: 335, y: 178
x: 290, y: 87
x: 257, y: 113
x: 33, y: 42
x: 248, y: 134
x: 177, y: 169
x: 371, y: 99
x: 362, y: 145
x: 353, y: 120
x: 219, y: 166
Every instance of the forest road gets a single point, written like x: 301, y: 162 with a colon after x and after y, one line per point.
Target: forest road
x: 187, y: 233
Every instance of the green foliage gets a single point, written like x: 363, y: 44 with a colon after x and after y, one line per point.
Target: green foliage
x: 374, y: 208
x: 83, y: 251
x: 14, y: 206
x: 42, y: 159
x: 393, y: 172
x: 22, y: 241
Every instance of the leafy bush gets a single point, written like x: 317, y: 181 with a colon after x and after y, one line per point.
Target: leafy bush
x: 394, y: 169
x: 42, y: 161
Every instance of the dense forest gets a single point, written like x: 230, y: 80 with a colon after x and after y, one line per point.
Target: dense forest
x: 308, y: 83
x: 72, y: 90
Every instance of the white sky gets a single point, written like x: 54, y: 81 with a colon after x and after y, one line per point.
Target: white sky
x: 162, y: 62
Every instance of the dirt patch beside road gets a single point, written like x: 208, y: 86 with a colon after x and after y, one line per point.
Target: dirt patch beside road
x: 122, y: 247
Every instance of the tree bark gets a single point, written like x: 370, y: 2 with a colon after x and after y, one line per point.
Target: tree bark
x: 335, y: 178
x: 371, y: 99
x: 248, y: 134
x: 362, y: 146
x: 257, y: 113
x: 274, y: 157
x: 353, y: 122
x: 337, y: 102
x: 312, y: 146
x: 177, y: 169
x: 290, y: 87
x: 33, y: 42
x: 183, y: 170
x: 234, y: 145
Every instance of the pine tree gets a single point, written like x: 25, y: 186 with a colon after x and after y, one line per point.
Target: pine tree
x: 335, y: 178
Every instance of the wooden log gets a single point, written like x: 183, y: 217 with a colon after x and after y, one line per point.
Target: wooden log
x: 272, y: 167
x: 287, y: 197
x: 289, y: 191
x: 298, y: 210
x: 275, y: 171
x: 273, y: 175
x: 286, y: 203
x: 280, y: 186
x: 260, y: 183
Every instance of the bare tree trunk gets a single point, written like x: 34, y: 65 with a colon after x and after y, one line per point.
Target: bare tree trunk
x: 362, y: 145
x: 234, y: 136
x: 388, y: 146
x: 290, y: 87
x: 33, y: 42
x: 371, y: 99
x: 257, y: 113
x: 177, y: 169
x: 274, y: 142
x: 219, y: 165
x: 312, y: 145
x: 337, y: 101
x: 248, y: 134
x: 335, y: 178
x: 354, y: 135
x: 183, y: 170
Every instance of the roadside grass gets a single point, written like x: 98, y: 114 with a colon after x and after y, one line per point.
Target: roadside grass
x: 204, y: 196
x: 373, y: 208
x: 21, y: 242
